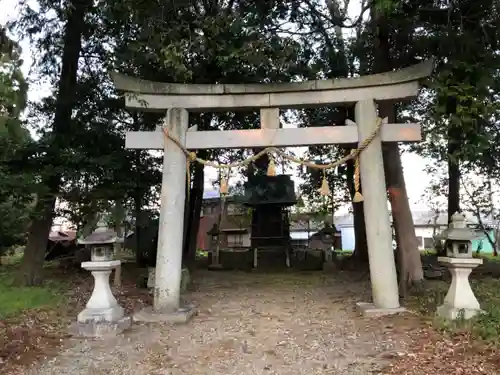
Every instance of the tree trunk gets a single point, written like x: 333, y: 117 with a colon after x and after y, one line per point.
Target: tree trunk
x: 361, y: 246
x: 187, y: 216
x: 119, y: 219
x: 32, y: 262
x: 193, y: 225
x: 340, y: 66
x: 193, y: 213
x: 453, y: 175
x: 30, y: 273
x: 410, y: 264
x: 141, y: 249
x: 140, y: 257
x: 472, y: 26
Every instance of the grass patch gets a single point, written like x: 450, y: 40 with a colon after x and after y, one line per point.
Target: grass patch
x: 201, y: 254
x: 341, y: 254
x: 488, y: 257
x: 14, y: 258
x: 15, y: 300
x: 485, y: 327
x: 428, y: 252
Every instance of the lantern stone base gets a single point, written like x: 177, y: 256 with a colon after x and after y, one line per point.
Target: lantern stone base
x: 100, y: 329
x: 111, y: 314
x: 371, y: 311
x: 330, y: 267
x: 460, y: 301
x: 215, y: 267
x: 180, y: 316
x: 102, y: 315
x: 453, y: 313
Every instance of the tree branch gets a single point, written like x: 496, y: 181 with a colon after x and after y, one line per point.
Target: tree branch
x: 340, y: 21
x: 478, y: 216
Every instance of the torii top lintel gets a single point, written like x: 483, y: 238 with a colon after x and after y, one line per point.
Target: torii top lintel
x: 158, y: 96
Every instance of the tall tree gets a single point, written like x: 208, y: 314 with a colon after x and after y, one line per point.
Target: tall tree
x: 208, y: 42
x: 460, y: 106
x: 72, y: 13
x: 410, y: 264
x: 335, y: 60
x: 15, y: 197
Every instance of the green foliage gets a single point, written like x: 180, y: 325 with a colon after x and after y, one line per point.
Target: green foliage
x: 487, y: 326
x: 337, y: 181
x: 477, y: 195
x: 202, y: 42
x: 201, y: 254
x: 334, y: 55
x: 386, y: 6
x: 15, y: 197
x: 237, y: 42
x: 484, y: 326
x: 460, y: 108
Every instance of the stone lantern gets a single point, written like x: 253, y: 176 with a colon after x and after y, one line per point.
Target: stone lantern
x: 460, y: 301
x: 102, y: 314
x: 101, y: 252
x: 458, y: 238
x: 214, y: 234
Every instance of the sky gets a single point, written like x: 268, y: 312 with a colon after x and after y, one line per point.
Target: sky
x: 416, y: 178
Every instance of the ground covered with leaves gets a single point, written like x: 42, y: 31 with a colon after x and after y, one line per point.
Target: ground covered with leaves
x: 34, y: 321
x: 460, y: 347
x: 250, y: 323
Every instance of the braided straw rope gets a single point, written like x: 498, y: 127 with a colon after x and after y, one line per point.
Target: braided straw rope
x: 354, y: 154
x: 357, y: 195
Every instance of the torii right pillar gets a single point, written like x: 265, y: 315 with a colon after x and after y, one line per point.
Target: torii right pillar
x: 378, y: 227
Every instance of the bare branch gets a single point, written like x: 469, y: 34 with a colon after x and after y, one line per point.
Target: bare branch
x: 477, y: 212
x: 340, y: 21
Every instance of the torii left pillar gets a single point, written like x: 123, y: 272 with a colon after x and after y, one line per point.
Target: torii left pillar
x: 168, y: 273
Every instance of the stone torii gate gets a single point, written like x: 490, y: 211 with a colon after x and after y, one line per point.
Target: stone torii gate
x: 363, y: 92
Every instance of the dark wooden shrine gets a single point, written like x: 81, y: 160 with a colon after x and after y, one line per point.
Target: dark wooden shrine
x: 270, y: 197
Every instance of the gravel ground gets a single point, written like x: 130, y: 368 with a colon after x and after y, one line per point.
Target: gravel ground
x: 250, y: 323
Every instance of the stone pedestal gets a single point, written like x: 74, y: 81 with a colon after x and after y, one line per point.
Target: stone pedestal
x: 329, y: 264
x: 102, y: 314
x: 215, y: 264
x: 166, y: 315
x: 330, y: 267
x: 215, y: 267
x: 460, y: 301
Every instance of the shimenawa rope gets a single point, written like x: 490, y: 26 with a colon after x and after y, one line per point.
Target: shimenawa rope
x: 271, y: 170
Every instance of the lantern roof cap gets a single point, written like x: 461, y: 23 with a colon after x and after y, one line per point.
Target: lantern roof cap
x: 101, y: 236
x: 214, y: 230
x: 458, y: 231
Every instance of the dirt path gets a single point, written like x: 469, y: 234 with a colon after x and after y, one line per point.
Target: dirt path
x: 250, y: 324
